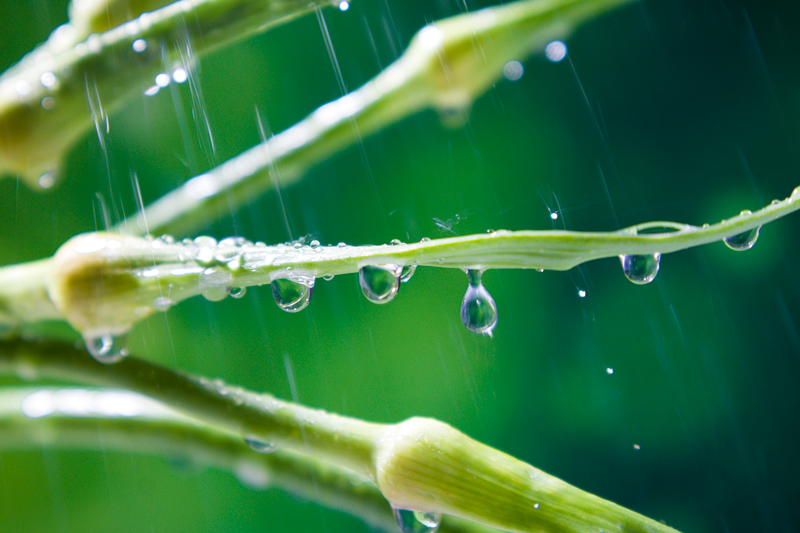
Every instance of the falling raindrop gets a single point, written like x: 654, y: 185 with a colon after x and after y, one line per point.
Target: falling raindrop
x: 743, y: 241
x: 417, y: 521
x: 407, y: 273
x: 640, y: 269
x: 260, y: 446
x: 105, y: 348
x: 478, y: 310
x: 379, y: 283
x: 292, y: 296
x: 215, y: 283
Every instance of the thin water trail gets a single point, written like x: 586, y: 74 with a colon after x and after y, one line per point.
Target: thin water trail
x: 265, y: 131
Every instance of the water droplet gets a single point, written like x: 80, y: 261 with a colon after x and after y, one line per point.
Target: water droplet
x: 478, y: 310
x: 535, y: 505
x: 106, y: 348
x: 179, y: 75
x: 395, y: 242
x: 425, y: 239
x: 290, y: 295
x: 215, y: 284
x: 344, y: 6
x: 743, y: 241
x: 238, y: 292
x: 609, y: 371
x: 139, y: 45
x: 260, y: 446
x: 407, y: 273
x: 637, y: 447
x: 513, y: 70
x: 327, y: 277
x: 640, y: 269
x: 417, y: 521
x: 230, y: 251
x: 582, y: 293
x: 379, y: 283
x: 162, y: 79
x: 204, y: 248
x: 48, y: 103
x: 341, y: 245
x: 162, y: 303
x: 556, y: 51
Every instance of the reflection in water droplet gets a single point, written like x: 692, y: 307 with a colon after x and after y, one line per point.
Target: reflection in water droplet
x: 214, y: 284
x: 106, y: 348
x: 379, y: 283
x: 743, y: 241
x: 640, y: 269
x: 260, y: 446
x: 417, y: 521
x: 478, y: 310
x: 407, y: 273
x: 290, y: 295
x: 238, y: 292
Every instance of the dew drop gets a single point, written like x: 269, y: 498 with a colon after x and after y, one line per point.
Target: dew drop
x: 260, y: 446
x: 238, y: 292
x: 407, y: 273
x: 204, y: 248
x: 379, y: 283
x: 106, y: 348
x: 292, y: 296
x: 478, y: 310
x: 417, y: 521
x: 743, y: 241
x: 395, y: 242
x: 214, y: 284
x: 640, y: 269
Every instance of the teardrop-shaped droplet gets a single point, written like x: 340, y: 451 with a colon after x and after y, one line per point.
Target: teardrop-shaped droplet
x: 260, y: 446
x: 106, y: 348
x: 743, y: 241
x: 215, y: 284
x: 290, y: 295
x: 478, y: 310
x: 640, y: 269
x: 379, y: 283
x: 417, y: 521
x: 407, y: 272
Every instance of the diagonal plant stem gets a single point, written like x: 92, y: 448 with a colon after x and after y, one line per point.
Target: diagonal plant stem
x: 109, y: 419
x: 43, y: 98
x: 420, y: 464
x: 446, y: 67
x: 103, y: 284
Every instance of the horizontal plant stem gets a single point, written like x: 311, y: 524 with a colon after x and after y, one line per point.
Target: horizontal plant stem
x: 446, y: 66
x: 103, y: 284
x: 43, y: 99
x: 419, y: 464
x: 144, y: 429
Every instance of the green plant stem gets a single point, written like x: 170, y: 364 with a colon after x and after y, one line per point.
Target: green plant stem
x: 103, y: 284
x: 446, y: 66
x: 144, y: 428
x: 43, y: 98
x: 420, y: 464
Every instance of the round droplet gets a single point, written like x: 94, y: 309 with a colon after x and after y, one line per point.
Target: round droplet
x: 204, y: 248
x: 379, y: 283
x: 395, y: 242
x: 640, y: 269
x: 290, y: 295
x: 407, y: 273
x: 106, y: 348
x: 238, y: 292
x: 478, y: 310
x: 229, y: 250
x: 260, y: 446
x: 417, y: 521
x: 215, y: 284
x: 743, y: 241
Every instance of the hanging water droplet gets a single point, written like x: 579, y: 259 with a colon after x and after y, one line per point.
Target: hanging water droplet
x: 106, y: 348
x: 417, y: 521
x: 238, y: 292
x: 290, y: 295
x: 260, y: 446
x: 215, y: 284
x: 743, y: 241
x: 407, y: 273
x: 640, y: 269
x: 478, y: 310
x: 327, y: 277
x: 379, y: 283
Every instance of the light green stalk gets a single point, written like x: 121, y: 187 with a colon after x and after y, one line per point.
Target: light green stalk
x: 64, y: 87
x: 446, y: 67
x: 420, y: 464
x: 102, y: 283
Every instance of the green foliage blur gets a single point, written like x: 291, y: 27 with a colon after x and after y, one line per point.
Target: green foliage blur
x: 678, y: 399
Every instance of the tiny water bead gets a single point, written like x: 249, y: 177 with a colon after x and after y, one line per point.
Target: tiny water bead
x: 215, y: 283
x: 379, y: 283
x: 407, y: 273
x: 292, y: 296
x: 417, y: 521
x: 640, y: 269
x: 478, y: 310
x: 106, y: 348
x: 260, y: 446
x: 743, y: 241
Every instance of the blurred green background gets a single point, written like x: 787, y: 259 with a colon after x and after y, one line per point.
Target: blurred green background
x: 683, y: 110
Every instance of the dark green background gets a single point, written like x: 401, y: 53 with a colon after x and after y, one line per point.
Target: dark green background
x: 684, y: 110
